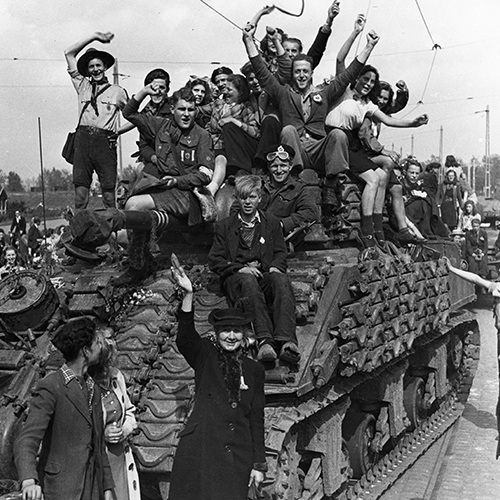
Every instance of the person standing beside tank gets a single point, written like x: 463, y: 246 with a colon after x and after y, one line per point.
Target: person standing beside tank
x: 17, y: 228
x: 221, y: 450
x: 493, y: 288
x: 119, y: 419
x: 65, y: 418
x: 99, y: 105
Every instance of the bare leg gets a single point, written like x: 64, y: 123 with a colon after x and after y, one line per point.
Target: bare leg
x: 383, y: 178
x: 140, y: 202
x: 219, y: 174
x: 369, y: 192
x: 398, y: 205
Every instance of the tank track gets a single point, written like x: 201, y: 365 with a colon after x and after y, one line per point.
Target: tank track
x: 280, y: 420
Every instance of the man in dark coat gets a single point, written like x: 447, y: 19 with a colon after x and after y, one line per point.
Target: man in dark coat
x: 476, y: 248
x: 17, y: 228
x: 249, y: 255
x: 221, y: 450
x: 65, y: 416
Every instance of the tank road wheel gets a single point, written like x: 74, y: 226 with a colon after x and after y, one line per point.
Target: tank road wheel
x: 455, y: 352
x: 359, y: 433
x: 413, y: 400
x: 289, y: 477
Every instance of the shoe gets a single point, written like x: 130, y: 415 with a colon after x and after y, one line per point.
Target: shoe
x: 380, y: 237
x: 405, y: 236
x: 368, y: 241
x: 266, y: 353
x: 290, y: 353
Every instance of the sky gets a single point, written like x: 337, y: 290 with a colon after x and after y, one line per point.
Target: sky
x: 188, y: 38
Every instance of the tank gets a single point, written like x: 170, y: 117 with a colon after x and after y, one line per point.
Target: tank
x: 388, y: 356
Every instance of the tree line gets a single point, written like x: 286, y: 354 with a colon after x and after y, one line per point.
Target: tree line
x: 61, y: 180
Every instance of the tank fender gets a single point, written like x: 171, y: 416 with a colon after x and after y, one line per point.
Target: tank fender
x: 325, y: 364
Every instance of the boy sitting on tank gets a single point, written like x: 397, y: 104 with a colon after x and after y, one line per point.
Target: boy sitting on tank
x: 185, y: 162
x: 249, y: 255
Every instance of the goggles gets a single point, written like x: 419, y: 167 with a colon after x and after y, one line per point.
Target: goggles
x: 280, y: 153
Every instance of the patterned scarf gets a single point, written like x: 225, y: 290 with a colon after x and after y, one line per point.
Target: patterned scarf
x: 232, y: 372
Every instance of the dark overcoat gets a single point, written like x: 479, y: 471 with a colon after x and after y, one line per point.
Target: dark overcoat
x: 221, y: 441
x: 72, y: 442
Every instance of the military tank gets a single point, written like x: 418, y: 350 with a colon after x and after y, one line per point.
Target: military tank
x: 388, y: 356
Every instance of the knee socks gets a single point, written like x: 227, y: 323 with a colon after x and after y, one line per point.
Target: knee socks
x: 377, y: 223
x: 367, y: 225
x: 160, y: 218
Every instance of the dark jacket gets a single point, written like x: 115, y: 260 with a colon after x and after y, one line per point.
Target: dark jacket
x: 476, y: 241
x: 221, y: 441
x: 272, y: 248
x: 289, y: 102
x: 290, y: 203
x: 18, y: 227
x: 71, y: 437
x: 147, y: 147
x: 193, y: 146
x: 34, y: 235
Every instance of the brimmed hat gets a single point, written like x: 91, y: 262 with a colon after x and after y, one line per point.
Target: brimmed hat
x: 91, y: 53
x: 457, y: 232
x: 229, y: 317
x: 277, y: 149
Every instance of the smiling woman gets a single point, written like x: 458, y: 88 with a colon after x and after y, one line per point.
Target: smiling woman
x: 221, y: 450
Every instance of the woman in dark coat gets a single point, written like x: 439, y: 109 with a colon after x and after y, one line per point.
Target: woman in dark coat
x: 221, y: 450
x: 450, y: 199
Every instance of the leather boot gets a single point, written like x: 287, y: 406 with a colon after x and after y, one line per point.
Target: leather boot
x: 139, y: 258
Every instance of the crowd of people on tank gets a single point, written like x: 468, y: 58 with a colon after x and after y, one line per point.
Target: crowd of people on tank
x: 269, y: 132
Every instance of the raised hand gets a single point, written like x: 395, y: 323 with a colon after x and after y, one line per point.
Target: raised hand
x: 372, y: 38
x: 179, y: 275
x: 104, y: 37
x: 359, y: 24
x: 420, y: 120
x: 334, y: 10
x: 401, y: 85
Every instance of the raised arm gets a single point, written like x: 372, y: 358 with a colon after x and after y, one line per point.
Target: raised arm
x: 262, y: 12
x: 396, y: 122
x: 468, y: 276
x: 359, y: 26
x: 401, y: 99
x: 265, y: 77
x: 371, y: 40
x: 71, y: 52
x: 318, y: 47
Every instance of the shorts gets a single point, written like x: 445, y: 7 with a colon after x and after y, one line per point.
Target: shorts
x: 94, y: 152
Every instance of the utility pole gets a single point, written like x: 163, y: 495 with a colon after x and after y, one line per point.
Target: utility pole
x: 441, y: 173
x: 487, y: 159
x: 412, y: 143
x: 116, y: 81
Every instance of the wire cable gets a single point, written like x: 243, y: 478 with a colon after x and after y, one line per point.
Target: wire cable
x: 425, y: 23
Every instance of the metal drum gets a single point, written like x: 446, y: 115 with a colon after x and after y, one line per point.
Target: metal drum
x: 27, y: 300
